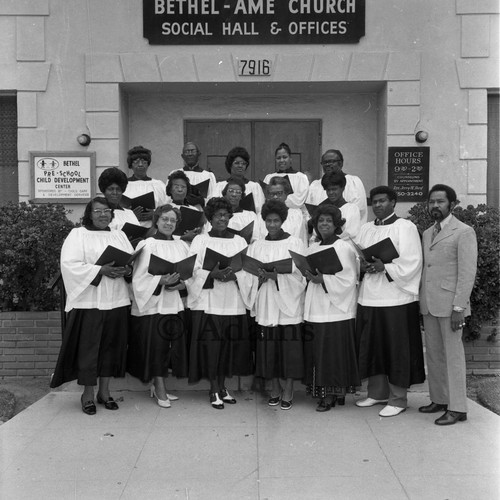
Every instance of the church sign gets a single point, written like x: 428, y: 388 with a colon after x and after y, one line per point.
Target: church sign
x: 255, y: 22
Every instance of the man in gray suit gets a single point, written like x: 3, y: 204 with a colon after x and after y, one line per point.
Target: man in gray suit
x: 450, y: 261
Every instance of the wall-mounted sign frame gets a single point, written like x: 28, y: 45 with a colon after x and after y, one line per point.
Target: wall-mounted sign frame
x: 408, y: 172
x: 62, y: 176
x: 255, y: 22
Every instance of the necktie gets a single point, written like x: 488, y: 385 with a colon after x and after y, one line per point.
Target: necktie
x: 436, y: 230
x: 379, y: 222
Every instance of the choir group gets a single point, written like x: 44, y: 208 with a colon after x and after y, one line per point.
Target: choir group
x: 283, y: 278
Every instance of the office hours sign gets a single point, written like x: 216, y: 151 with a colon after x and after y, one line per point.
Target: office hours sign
x: 255, y: 22
x: 64, y: 177
x: 409, y: 172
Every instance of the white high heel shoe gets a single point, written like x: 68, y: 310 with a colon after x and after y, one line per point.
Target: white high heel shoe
x: 163, y: 403
x: 172, y: 397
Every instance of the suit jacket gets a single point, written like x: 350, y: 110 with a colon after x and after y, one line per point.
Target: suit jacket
x: 449, y: 270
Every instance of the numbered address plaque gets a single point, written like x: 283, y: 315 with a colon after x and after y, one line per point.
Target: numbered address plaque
x: 255, y: 67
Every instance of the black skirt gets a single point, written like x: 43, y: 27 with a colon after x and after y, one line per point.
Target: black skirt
x: 94, y: 345
x: 157, y: 344
x: 220, y: 347
x: 330, y: 354
x: 279, y: 352
x: 389, y: 342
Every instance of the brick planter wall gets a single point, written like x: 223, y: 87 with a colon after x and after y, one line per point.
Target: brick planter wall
x: 29, y: 343
x: 482, y: 355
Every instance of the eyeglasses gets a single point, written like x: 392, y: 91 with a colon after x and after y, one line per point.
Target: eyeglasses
x: 102, y: 211
x: 172, y: 220
x: 330, y: 162
x: 225, y: 215
x: 239, y: 164
x: 235, y: 191
x: 190, y: 151
x: 139, y: 161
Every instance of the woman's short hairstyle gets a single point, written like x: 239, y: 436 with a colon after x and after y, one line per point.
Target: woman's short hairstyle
x: 87, y: 214
x: 280, y: 181
x: 274, y: 207
x: 176, y: 175
x: 284, y: 146
x: 391, y: 194
x: 138, y: 152
x: 233, y: 154
x: 215, y: 204
x: 110, y: 176
x: 237, y: 181
x: 450, y: 192
x: 335, y: 214
x: 333, y: 179
x: 164, y: 209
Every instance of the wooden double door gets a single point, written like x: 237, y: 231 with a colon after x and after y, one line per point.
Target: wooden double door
x: 216, y: 138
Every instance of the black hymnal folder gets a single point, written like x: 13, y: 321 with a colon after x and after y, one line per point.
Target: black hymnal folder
x: 252, y: 266
x: 245, y: 232
x: 202, y: 187
x: 264, y: 186
x: 159, y: 267
x: 133, y: 231
x: 190, y: 219
x: 326, y: 261
x: 119, y: 257
x: 211, y: 259
x: 383, y: 250
x: 145, y: 201
x: 248, y: 203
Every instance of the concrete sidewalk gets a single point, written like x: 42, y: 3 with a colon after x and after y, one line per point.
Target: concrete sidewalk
x: 247, y: 451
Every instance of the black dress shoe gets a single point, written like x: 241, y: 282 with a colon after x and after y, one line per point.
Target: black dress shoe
x: 451, y: 417
x: 286, y: 405
x: 88, y: 407
x: 433, y: 408
x: 226, y: 397
x: 109, y: 404
x: 274, y: 401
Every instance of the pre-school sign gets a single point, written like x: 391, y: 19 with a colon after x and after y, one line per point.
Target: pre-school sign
x: 64, y: 177
x: 202, y: 22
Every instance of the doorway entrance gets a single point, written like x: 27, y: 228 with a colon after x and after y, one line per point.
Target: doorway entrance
x: 261, y: 138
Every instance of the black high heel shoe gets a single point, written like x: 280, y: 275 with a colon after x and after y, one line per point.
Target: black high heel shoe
x: 109, y: 404
x: 326, y: 405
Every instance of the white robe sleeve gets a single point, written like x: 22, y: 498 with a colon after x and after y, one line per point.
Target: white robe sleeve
x: 143, y: 283
x: 406, y: 269
x: 195, y: 284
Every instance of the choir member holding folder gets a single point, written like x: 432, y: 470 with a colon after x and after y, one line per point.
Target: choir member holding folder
x: 237, y: 162
x: 330, y: 311
x: 95, y: 338
x: 220, y: 344
x: 180, y: 192
x: 243, y: 221
x: 112, y: 183
x: 273, y: 289
x: 143, y: 193
x: 157, y: 341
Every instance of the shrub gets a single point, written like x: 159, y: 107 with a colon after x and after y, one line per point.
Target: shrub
x: 31, y: 237
x: 485, y: 297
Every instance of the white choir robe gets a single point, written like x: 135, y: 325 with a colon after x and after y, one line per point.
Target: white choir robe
x: 270, y: 306
x: 295, y: 225
x: 300, y: 186
x: 238, y: 221
x: 339, y: 304
x: 138, y: 188
x: 198, y: 177
x: 376, y: 290
x: 81, y: 249
x: 224, y: 298
x: 250, y: 187
x: 144, y: 284
x: 122, y: 216
x: 354, y: 192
